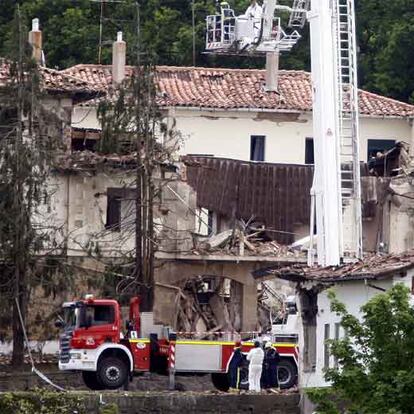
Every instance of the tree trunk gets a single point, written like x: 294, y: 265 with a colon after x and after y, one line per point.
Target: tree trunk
x: 18, y: 334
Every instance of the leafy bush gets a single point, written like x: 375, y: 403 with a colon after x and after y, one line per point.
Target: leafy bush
x: 375, y: 372
x: 41, y: 402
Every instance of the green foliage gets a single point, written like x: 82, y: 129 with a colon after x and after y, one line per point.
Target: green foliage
x: 376, y: 358
x: 41, y: 402
x: 324, y: 399
x: 109, y: 409
x: 29, y: 136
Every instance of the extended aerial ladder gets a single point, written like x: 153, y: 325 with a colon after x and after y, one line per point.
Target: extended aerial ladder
x: 336, y: 192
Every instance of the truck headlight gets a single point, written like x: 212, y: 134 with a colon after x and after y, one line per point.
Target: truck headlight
x: 75, y: 355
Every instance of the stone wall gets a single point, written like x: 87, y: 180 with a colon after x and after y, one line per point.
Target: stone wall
x: 164, y: 403
x: 198, y: 403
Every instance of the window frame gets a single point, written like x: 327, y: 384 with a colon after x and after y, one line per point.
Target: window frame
x: 379, y: 143
x: 309, y: 151
x: 254, y: 139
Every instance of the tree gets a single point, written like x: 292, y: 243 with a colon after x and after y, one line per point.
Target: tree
x: 375, y: 372
x: 133, y: 125
x: 27, y: 144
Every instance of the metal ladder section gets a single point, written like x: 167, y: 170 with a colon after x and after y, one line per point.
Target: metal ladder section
x: 348, y: 108
x: 297, y: 17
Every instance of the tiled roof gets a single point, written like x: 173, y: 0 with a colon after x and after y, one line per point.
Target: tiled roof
x: 55, y: 82
x: 371, y: 267
x: 238, y: 88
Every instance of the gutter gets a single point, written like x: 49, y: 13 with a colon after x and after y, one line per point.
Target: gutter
x: 245, y: 110
x: 265, y: 110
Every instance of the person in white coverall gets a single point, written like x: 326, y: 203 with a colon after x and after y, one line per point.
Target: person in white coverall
x: 255, y: 357
x: 254, y: 11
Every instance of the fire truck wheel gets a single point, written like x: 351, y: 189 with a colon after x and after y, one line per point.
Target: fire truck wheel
x: 220, y: 381
x: 91, y: 380
x: 287, y: 373
x: 112, y: 373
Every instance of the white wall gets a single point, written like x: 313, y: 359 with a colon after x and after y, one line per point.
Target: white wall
x: 227, y: 133
x: 79, y: 206
x: 354, y: 294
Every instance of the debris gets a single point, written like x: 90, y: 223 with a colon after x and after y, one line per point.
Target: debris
x: 216, y: 240
x: 241, y: 241
x: 220, y: 312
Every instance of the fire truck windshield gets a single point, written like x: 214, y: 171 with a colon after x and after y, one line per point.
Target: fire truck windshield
x: 71, y: 316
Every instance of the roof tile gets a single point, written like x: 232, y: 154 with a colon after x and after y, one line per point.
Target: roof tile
x: 238, y: 89
x: 54, y: 81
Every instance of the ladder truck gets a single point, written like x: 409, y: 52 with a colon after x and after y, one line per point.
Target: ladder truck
x: 336, y: 190
x: 95, y: 342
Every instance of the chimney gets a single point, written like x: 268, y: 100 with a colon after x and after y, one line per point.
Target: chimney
x: 35, y: 39
x: 272, y: 71
x: 118, y: 60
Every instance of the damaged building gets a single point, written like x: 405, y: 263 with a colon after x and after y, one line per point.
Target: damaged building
x: 219, y: 221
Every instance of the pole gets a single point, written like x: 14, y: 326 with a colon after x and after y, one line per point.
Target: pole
x: 171, y: 359
x: 100, y: 33
x: 194, y: 32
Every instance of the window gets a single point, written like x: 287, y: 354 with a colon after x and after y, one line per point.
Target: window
x: 84, y: 144
x: 326, y: 345
x: 309, y: 310
x: 309, y: 151
x: 120, y: 207
x: 113, y: 209
x: 257, y: 148
x: 85, y: 139
x: 379, y: 145
x: 100, y: 315
x: 337, y: 335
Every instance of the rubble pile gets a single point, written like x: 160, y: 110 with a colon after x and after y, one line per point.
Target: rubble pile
x: 205, y: 312
x: 239, y: 242
x: 211, y: 313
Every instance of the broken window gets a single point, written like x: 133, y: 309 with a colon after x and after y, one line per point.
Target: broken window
x: 113, y: 209
x: 84, y: 144
x: 120, y: 208
x: 257, y: 148
x: 376, y: 146
x: 309, y: 309
x: 309, y: 151
x: 85, y: 139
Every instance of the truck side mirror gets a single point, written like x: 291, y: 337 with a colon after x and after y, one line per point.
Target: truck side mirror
x: 59, y: 324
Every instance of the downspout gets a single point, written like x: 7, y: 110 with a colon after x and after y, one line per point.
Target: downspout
x: 67, y: 214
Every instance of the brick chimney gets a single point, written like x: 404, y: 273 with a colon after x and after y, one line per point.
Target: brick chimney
x: 35, y: 39
x: 118, y: 60
x: 272, y: 71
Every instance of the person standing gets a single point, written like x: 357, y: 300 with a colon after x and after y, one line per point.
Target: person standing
x: 254, y: 11
x: 255, y: 357
x: 235, y: 363
x: 271, y: 360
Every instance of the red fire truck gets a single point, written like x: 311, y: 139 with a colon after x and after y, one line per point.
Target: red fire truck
x: 94, y: 341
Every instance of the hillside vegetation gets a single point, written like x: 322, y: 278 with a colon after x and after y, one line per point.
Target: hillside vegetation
x: 71, y: 35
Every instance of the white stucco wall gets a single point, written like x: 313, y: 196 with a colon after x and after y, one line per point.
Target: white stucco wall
x: 354, y: 294
x: 78, y: 207
x: 227, y: 133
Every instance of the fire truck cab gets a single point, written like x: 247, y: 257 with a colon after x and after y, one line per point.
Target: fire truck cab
x: 95, y: 342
